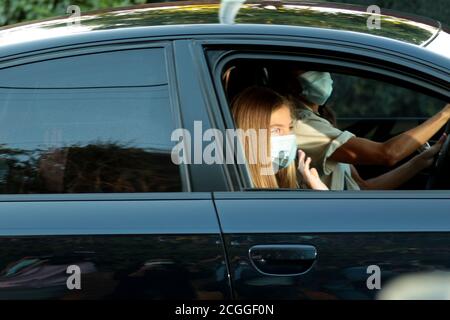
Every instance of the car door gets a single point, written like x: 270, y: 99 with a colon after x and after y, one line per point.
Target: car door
x: 302, y: 244
x: 91, y: 204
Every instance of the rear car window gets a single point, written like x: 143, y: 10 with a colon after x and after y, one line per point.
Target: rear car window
x: 106, y: 129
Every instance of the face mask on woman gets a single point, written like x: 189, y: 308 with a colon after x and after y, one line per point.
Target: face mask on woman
x: 283, y: 150
x: 317, y: 86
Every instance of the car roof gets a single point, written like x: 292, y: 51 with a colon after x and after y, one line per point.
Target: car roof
x: 414, y: 30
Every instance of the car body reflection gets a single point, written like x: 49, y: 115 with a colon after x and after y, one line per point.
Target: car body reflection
x: 329, y: 16
x: 38, y: 278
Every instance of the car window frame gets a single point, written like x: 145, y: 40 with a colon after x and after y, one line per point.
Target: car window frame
x: 217, y: 53
x: 76, y: 50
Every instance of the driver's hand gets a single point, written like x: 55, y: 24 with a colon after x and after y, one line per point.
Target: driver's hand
x: 426, y: 158
x: 311, y: 176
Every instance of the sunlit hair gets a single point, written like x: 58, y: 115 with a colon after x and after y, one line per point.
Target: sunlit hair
x: 252, y: 109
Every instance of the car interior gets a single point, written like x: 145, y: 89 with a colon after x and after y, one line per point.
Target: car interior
x: 368, y: 105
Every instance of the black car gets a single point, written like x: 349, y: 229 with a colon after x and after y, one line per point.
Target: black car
x: 88, y: 183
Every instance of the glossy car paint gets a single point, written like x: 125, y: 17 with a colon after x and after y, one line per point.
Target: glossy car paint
x: 400, y: 26
x: 127, y: 266
x: 143, y: 247
x: 403, y: 233
x: 342, y: 269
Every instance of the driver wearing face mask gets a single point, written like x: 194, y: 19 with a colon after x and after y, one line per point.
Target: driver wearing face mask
x: 317, y: 136
x: 334, y: 152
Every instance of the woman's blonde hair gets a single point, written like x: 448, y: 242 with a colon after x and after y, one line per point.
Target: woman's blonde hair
x: 252, y: 109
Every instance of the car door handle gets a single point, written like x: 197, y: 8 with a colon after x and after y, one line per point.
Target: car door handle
x: 282, y: 259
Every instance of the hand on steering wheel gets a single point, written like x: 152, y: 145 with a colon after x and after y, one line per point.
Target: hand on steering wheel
x: 428, y: 157
x: 440, y: 177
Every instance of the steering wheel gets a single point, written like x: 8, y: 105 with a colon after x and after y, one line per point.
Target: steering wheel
x: 440, y: 176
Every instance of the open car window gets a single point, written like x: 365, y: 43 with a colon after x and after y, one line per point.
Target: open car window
x: 376, y: 108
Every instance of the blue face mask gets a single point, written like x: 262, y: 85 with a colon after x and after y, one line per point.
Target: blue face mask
x: 283, y: 150
x: 317, y: 86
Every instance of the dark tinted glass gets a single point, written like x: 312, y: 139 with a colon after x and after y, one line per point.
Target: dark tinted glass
x: 77, y: 140
x: 107, y: 69
x: 367, y: 98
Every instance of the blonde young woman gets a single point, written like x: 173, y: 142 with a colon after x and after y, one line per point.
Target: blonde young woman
x: 262, y: 108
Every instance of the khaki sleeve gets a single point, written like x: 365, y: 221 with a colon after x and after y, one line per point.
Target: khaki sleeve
x: 319, y: 139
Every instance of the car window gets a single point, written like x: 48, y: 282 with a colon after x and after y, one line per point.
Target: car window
x: 106, y: 129
x: 106, y: 69
x: 369, y: 106
x: 363, y: 98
